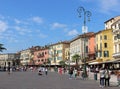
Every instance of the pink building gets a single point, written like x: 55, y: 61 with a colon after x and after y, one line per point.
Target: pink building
x: 91, y: 47
x: 41, y: 56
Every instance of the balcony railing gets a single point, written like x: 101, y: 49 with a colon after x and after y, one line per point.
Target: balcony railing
x: 91, y: 52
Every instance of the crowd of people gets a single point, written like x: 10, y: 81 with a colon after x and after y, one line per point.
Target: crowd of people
x: 104, y: 73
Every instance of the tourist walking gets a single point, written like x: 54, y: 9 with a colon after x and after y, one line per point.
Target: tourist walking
x: 70, y: 73
x: 102, y: 77
x: 107, y: 78
x: 8, y: 70
x: 75, y: 73
x: 46, y: 71
x: 118, y: 78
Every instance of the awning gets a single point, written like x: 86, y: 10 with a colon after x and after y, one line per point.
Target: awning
x: 111, y: 61
x: 92, y: 63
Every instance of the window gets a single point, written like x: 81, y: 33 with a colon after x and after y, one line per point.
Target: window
x: 100, y: 53
x: 115, y: 26
x: 100, y: 46
x: 115, y: 37
x: 97, y: 47
x: 106, y: 53
x: 45, y: 52
x: 59, y: 51
x: 119, y: 26
x: 100, y: 37
x: 105, y: 45
x: 115, y: 48
x: 119, y: 47
x: 59, y: 58
x: 105, y: 37
x: 42, y: 60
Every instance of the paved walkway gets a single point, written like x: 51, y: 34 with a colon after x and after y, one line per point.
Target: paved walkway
x: 31, y: 80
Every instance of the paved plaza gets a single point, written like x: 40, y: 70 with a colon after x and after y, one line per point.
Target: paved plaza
x: 31, y: 80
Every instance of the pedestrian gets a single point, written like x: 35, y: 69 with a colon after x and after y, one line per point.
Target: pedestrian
x: 9, y: 70
x: 60, y: 70
x: 70, y: 73
x: 102, y: 77
x: 75, y: 73
x: 46, y: 71
x: 118, y: 78
x: 107, y: 78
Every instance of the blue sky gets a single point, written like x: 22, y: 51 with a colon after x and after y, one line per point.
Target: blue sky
x: 26, y: 23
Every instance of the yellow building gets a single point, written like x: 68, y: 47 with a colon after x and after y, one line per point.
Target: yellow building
x: 104, y: 45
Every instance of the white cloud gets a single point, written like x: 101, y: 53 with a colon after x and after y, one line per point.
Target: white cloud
x: 73, y: 32
x: 106, y: 6
x: 3, y: 26
x: 17, y: 21
x: 42, y: 35
x: 37, y: 19
x: 58, y: 25
x: 22, y: 31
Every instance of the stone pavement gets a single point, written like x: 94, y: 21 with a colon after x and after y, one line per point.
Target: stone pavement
x: 31, y: 80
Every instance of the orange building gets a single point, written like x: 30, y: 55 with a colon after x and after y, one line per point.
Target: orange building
x: 91, y: 47
x: 41, y: 56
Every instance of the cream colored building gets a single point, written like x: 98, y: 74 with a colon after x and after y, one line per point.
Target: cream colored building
x: 109, y: 23
x: 8, y: 59
x: 25, y: 56
x: 79, y: 45
x: 57, y: 52
x: 116, y: 39
x: 67, y: 53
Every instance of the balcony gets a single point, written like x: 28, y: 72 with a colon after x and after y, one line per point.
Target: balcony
x: 116, y: 55
x: 116, y: 30
x: 91, y: 52
x: 40, y: 55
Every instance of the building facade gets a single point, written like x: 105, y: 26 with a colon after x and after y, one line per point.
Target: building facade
x: 104, y: 46
x: 57, y: 52
x: 9, y: 59
x: 91, y: 47
x: 110, y: 22
x: 116, y: 41
x: 25, y: 56
x: 41, y: 56
x: 81, y: 46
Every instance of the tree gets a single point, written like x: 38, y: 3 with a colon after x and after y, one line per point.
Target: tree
x: 2, y: 48
x: 48, y: 61
x: 76, y: 58
x: 62, y: 63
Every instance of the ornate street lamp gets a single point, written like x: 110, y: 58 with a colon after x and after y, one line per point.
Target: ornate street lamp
x: 87, y: 15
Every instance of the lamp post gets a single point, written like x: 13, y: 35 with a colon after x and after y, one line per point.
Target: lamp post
x: 86, y: 14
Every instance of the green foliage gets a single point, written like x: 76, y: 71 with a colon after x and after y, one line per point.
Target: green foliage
x: 2, y: 48
x: 62, y: 63
x: 48, y: 61
x: 76, y: 58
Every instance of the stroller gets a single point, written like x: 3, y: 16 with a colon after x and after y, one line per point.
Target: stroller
x: 39, y: 72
